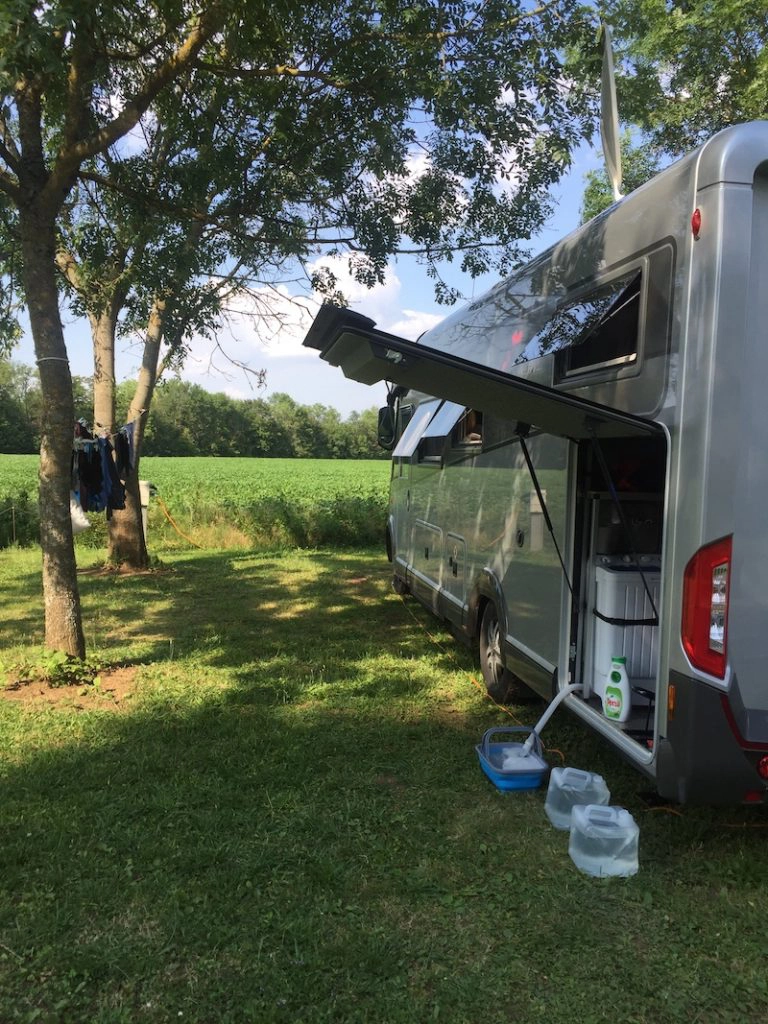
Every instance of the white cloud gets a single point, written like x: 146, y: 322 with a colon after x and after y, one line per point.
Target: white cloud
x: 412, y: 323
x: 274, y: 321
x: 417, y: 163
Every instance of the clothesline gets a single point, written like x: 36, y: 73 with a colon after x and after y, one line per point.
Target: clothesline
x: 103, y: 432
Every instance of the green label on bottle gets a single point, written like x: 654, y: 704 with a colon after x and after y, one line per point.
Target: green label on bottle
x: 613, y: 703
x: 615, y: 676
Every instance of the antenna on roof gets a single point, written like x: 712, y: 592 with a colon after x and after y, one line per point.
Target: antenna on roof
x: 609, y: 116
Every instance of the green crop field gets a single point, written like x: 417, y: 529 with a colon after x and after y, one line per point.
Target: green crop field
x: 230, y: 502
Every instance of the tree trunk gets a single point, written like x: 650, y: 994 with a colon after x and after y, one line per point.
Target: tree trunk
x: 127, y: 543
x: 63, y: 622
x: 103, y: 336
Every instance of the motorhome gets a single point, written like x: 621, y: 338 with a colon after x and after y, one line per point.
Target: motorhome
x: 580, y: 469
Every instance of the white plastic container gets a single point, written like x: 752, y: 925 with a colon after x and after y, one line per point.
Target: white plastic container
x: 604, y: 841
x: 617, y: 695
x: 572, y: 787
x: 620, y: 594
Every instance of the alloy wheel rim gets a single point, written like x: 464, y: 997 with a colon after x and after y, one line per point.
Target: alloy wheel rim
x: 494, y: 649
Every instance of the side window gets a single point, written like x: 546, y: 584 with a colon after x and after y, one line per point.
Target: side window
x: 404, y: 417
x: 598, y: 330
x: 469, y: 429
x: 439, y: 429
x: 431, y: 448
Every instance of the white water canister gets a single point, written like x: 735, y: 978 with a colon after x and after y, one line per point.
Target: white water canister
x: 604, y: 841
x: 617, y: 695
x: 572, y: 787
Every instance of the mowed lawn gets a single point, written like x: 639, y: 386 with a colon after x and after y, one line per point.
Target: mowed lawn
x: 270, y: 810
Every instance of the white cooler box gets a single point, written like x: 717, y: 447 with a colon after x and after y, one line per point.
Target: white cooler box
x: 620, y: 594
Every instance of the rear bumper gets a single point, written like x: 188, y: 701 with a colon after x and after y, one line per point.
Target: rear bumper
x: 701, y: 760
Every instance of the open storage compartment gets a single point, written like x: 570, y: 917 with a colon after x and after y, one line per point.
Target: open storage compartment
x: 617, y: 573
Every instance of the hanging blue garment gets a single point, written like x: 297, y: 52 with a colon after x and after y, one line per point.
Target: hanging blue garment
x: 91, y: 477
x: 113, y: 491
x: 124, y: 451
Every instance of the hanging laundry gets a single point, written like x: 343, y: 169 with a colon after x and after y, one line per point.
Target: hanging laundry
x: 98, y: 469
x: 80, y: 521
x: 124, y: 451
x: 112, y: 494
x: 91, y: 477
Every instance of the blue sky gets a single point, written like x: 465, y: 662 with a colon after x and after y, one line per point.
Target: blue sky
x: 404, y: 305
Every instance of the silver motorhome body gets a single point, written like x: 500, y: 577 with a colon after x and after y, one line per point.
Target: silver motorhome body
x: 625, y: 367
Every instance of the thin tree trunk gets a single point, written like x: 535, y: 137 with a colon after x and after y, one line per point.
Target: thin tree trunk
x: 63, y: 622
x: 103, y: 336
x: 127, y: 543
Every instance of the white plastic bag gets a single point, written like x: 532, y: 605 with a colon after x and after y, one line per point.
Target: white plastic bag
x: 79, y: 518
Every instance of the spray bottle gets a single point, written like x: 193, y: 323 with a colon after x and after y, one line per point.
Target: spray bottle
x: 617, y: 697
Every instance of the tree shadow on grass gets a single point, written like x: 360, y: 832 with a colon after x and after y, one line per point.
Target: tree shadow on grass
x: 290, y: 826
x: 234, y: 862
x: 246, y: 611
x: 21, y: 602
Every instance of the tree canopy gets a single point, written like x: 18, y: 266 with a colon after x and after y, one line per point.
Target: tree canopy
x: 685, y: 69
x: 688, y: 68
x: 314, y: 115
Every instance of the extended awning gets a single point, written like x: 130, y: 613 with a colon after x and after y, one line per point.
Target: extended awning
x: 352, y: 342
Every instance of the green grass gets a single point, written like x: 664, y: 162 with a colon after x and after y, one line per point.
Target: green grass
x: 286, y: 823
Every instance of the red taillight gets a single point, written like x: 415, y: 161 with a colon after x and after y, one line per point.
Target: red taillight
x: 762, y: 767
x: 705, y: 607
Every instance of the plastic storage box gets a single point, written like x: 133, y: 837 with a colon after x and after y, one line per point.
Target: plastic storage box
x: 620, y: 594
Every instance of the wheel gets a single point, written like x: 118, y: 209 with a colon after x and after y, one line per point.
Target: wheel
x: 492, y: 665
x: 500, y: 683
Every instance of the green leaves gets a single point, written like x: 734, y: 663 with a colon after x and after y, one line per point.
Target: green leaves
x: 688, y: 69
x: 55, y: 668
x: 639, y: 164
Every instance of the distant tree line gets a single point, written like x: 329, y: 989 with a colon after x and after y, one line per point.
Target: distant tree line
x: 188, y: 420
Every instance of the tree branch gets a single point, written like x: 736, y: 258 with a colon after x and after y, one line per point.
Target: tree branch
x: 8, y: 148
x: 278, y: 71
x: 9, y: 186
x: 70, y: 157
x: 77, y: 86
x: 69, y: 267
x: 466, y: 31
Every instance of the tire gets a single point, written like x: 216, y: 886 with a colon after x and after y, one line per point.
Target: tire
x: 501, y: 684
x: 399, y: 585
